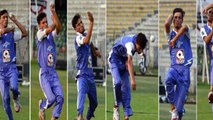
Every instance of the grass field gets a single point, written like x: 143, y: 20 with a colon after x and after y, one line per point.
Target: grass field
x: 204, y: 109
x: 166, y: 115
x: 24, y: 100
x: 144, y: 101
x: 36, y: 93
x: 100, y: 110
x: 190, y: 109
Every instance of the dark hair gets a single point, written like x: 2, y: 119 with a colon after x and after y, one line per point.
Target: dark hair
x: 179, y: 10
x: 2, y: 12
x: 41, y: 16
x: 75, y: 19
x: 141, y: 40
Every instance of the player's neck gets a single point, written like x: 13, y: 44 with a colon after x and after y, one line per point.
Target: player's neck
x: 209, y: 22
x: 176, y: 29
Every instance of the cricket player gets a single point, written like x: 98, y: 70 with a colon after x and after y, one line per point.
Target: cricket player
x: 48, y: 76
x: 177, y: 81
x: 85, y: 77
x: 207, y: 33
x: 120, y: 62
x: 8, y: 69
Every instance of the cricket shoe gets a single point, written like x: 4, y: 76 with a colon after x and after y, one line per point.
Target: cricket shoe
x: 17, y: 105
x: 41, y: 112
x: 174, y: 115
x: 126, y: 118
x: 210, y: 97
x: 116, y: 113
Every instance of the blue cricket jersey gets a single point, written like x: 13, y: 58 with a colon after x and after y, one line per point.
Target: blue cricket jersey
x: 204, y: 32
x: 119, y: 52
x: 46, y: 52
x: 7, y: 48
x: 181, y: 53
x: 83, y: 60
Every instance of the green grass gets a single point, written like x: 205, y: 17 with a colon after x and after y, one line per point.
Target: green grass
x: 166, y: 115
x: 204, y: 109
x: 24, y: 100
x: 100, y: 110
x: 144, y: 101
x: 36, y: 93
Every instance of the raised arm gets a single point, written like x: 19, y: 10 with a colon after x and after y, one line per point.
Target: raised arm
x: 168, y: 23
x: 206, y: 38
x: 181, y: 31
x: 55, y: 18
x: 20, y: 26
x: 89, y: 31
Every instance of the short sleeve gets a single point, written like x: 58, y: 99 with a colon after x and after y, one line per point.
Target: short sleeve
x: 41, y: 34
x: 203, y: 32
x: 54, y: 33
x: 130, y: 47
x: 80, y: 40
x: 17, y: 35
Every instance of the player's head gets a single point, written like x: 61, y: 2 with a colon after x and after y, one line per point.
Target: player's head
x: 42, y: 20
x: 178, y: 15
x: 210, y: 14
x: 77, y: 23
x: 141, y: 42
x: 4, y: 18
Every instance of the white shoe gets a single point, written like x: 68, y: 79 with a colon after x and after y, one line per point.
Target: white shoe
x: 17, y: 105
x: 174, y: 114
x: 116, y: 114
x: 210, y: 97
x: 41, y: 113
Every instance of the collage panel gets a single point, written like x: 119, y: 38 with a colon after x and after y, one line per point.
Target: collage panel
x: 86, y: 59
x: 14, y: 61
x: 204, y: 64
x: 48, y: 59
x: 132, y: 67
x: 106, y: 59
x: 177, y: 59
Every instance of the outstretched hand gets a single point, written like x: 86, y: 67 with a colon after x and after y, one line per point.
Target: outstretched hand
x: 90, y: 17
x: 52, y: 6
x: 12, y: 17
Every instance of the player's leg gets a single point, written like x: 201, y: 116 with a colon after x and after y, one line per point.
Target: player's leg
x: 13, y: 78
x: 116, y: 78
x: 126, y: 96
x: 210, y: 94
x: 82, y: 88
x: 181, y: 91
x: 92, y: 95
x: 47, y: 91
x: 4, y: 89
x: 169, y: 86
x: 59, y: 100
